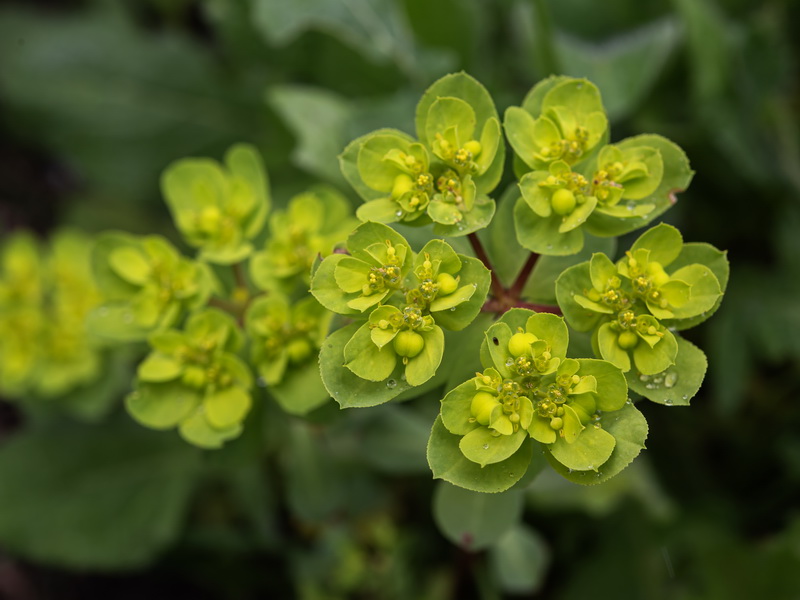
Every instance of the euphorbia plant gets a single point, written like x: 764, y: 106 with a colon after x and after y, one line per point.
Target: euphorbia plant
x: 309, y: 304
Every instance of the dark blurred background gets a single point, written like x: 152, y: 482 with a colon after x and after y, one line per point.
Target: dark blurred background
x: 97, y: 97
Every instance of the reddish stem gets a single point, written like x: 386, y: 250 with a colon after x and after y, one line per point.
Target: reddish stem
x: 519, y: 283
x: 497, y: 287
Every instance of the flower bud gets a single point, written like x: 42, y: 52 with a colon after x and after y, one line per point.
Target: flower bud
x: 627, y: 340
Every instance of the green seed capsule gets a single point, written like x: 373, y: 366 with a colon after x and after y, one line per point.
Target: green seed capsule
x: 520, y: 343
x: 483, y: 403
x: 563, y: 202
x: 447, y: 284
x: 408, y: 343
x: 627, y: 340
x: 402, y: 184
x: 556, y: 423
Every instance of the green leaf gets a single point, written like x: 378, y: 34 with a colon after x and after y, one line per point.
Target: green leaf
x: 473, y: 220
x: 588, y: 452
x: 198, y: 431
x: 664, y: 242
x: 658, y: 358
x: 473, y: 520
x: 348, y: 161
x: 456, y: 413
x: 130, y: 264
x: 369, y: 234
x: 717, y: 261
x: 679, y: 383
x: 626, y: 67
x: 458, y: 317
x: 301, y: 389
x: 704, y: 293
x: 576, y: 280
x: 482, y: 446
x: 520, y: 560
x: 227, y: 407
x: 327, y: 291
x: 612, y: 389
x: 424, y: 365
x: 245, y: 162
x: 542, y: 235
x: 344, y: 386
x: 366, y: 360
x: 94, y: 498
x: 448, y: 462
x: 162, y: 405
x: 629, y: 429
x: 159, y: 367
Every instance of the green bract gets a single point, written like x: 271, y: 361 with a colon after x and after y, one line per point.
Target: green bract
x: 285, y: 342
x: 194, y: 380
x: 578, y: 184
x: 560, y: 119
x: 445, y: 175
x: 628, y: 305
x: 146, y: 283
x: 313, y: 223
x: 45, y: 294
x: 530, y: 390
x: 406, y: 300
x: 219, y: 209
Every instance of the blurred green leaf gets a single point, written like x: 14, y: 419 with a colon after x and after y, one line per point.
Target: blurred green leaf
x: 97, y: 498
x: 626, y: 67
x: 116, y: 103
x: 519, y: 560
x: 474, y: 520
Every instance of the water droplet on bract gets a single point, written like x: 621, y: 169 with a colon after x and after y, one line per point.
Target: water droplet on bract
x: 599, y: 474
x: 670, y: 379
x: 511, y: 475
x: 570, y: 470
x: 651, y: 386
x: 668, y: 402
x: 685, y: 397
x: 403, y: 376
x: 509, y: 362
x: 391, y: 384
x: 549, y: 246
x: 399, y: 213
x: 261, y: 382
x: 486, y: 446
x: 630, y: 206
x: 591, y: 467
x: 658, y: 380
x: 628, y: 401
x: 644, y: 378
x: 453, y: 309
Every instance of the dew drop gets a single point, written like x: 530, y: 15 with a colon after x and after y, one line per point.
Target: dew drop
x: 511, y: 475
x: 486, y: 446
x: 628, y: 401
x: 651, y: 386
x: 591, y: 467
x: 452, y: 309
x: 509, y: 362
x: 403, y: 376
x: 630, y: 206
x: 549, y: 246
x: 570, y: 470
x: 391, y: 384
x: 670, y: 379
x: 599, y: 474
x: 644, y: 378
x: 668, y: 401
x: 685, y: 397
x: 399, y: 213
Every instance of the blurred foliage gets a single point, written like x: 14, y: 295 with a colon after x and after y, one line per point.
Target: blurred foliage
x: 97, y: 97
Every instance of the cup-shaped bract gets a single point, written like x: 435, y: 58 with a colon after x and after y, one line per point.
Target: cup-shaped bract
x: 561, y: 119
x: 194, y: 380
x: 219, y: 208
x: 530, y: 390
x: 147, y: 285
x: 312, y: 225
x: 445, y: 174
